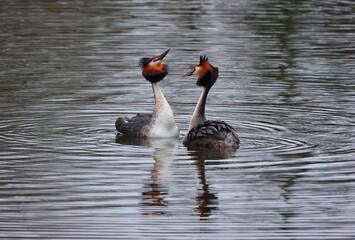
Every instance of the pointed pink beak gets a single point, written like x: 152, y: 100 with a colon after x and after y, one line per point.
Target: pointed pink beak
x: 188, y: 74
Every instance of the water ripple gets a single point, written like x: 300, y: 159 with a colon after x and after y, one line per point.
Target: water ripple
x: 69, y: 69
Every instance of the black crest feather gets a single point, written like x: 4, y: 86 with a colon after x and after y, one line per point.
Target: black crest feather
x: 203, y: 59
x: 144, y: 61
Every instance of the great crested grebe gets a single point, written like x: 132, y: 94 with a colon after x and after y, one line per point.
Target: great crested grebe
x: 202, y: 133
x: 161, y: 123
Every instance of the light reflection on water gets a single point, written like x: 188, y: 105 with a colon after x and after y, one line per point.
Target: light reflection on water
x: 69, y: 69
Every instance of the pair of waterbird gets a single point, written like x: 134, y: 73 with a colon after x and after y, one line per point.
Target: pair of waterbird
x: 161, y: 124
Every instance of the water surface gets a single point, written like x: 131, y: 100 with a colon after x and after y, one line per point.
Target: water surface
x: 68, y: 69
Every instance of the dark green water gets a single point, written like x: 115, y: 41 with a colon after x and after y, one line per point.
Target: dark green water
x: 68, y: 69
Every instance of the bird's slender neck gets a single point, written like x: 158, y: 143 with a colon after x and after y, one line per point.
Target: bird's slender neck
x: 199, y: 114
x: 162, y: 124
x: 160, y: 101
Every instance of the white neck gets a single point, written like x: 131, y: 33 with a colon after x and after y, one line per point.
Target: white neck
x: 199, y: 114
x: 163, y: 124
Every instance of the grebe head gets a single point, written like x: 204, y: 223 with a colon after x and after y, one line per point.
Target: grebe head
x: 152, y: 69
x: 206, y: 73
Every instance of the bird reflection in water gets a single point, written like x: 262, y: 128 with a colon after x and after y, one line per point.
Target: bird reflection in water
x: 155, y: 190
x: 206, y: 200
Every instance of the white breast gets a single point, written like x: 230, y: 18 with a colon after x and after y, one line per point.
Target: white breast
x: 163, y: 126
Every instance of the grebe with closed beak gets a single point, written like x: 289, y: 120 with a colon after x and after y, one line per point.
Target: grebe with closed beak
x: 204, y: 133
x: 159, y: 124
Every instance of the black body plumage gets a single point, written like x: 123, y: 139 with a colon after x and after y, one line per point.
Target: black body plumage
x: 216, y: 129
x: 211, y: 134
x: 133, y: 126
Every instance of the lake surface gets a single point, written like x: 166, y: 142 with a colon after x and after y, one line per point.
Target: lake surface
x: 68, y: 69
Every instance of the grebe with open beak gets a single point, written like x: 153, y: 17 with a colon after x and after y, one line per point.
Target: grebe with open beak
x: 159, y: 124
x: 204, y: 133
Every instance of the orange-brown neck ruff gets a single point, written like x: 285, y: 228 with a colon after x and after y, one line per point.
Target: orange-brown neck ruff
x: 207, y: 76
x: 205, y: 66
x: 155, y: 74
